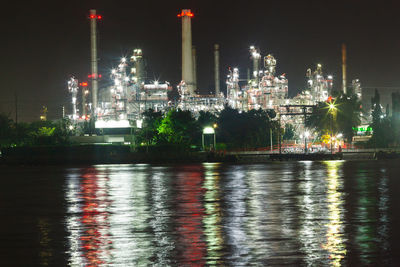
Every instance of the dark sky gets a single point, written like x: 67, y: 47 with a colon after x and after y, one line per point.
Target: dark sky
x: 44, y: 42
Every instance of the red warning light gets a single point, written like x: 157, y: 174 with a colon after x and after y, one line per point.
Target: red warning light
x: 99, y: 75
x: 92, y: 16
x: 89, y: 76
x: 186, y: 13
x: 84, y: 84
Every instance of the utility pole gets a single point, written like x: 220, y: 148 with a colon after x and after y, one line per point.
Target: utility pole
x: 270, y: 138
x: 279, y: 135
x: 16, y: 108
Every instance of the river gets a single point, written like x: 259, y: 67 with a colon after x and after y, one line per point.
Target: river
x: 329, y: 213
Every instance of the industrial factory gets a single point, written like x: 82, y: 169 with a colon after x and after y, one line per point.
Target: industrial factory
x: 121, y: 104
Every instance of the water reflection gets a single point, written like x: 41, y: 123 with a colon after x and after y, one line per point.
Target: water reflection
x: 235, y: 194
x: 88, y: 221
x: 213, y: 214
x: 292, y: 213
x: 371, y: 215
x: 162, y: 216
x: 190, y: 246
x: 46, y: 250
x: 322, y: 222
x: 335, y: 239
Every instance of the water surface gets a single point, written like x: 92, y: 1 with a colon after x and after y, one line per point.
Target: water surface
x: 307, y: 213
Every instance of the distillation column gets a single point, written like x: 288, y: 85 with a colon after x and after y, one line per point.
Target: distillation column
x: 344, y: 58
x: 216, y: 69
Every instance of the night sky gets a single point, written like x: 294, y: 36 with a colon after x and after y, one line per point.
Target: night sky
x: 44, y: 42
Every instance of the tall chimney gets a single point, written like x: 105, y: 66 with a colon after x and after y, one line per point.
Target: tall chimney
x: 216, y: 69
x: 344, y: 58
x: 194, y: 68
x: 93, y: 40
x: 187, y: 57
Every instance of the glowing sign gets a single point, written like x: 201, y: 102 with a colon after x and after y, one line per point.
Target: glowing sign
x: 362, y: 129
x: 83, y: 84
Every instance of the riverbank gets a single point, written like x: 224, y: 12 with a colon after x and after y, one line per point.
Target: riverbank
x: 117, y: 154
x: 103, y: 154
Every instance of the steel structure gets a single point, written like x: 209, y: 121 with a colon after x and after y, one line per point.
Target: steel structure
x: 318, y: 85
x: 73, y: 89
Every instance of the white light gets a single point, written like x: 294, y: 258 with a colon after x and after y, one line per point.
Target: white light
x: 139, y: 123
x: 208, y: 130
x: 330, y: 77
x: 112, y: 124
x: 126, y: 79
x: 307, y: 134
x: 123, y: 59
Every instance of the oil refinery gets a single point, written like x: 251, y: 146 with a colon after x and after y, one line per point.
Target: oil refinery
x: 121, y: 104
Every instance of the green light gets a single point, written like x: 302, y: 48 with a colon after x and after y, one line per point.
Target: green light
x: 362, y: 129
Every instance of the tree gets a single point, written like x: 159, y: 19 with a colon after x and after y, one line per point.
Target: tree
x: 6, y: 130
x: 339, y: 116
x: 246, y: 129
x: 395, y: 119
x: 206, y: 118
x: 383, y: 133
x: 149, y: 133
x: 290, y: 132
x: 178, y: 127
x: 348, y: 115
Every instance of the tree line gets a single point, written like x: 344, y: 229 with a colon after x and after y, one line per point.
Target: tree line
x: 233, y: 129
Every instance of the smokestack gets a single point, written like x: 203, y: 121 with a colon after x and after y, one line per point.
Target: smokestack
x: 216, y: 69
x: 93, y: 40
x: 187, y: 57
x: 194, y: 67
x: 344, y: 58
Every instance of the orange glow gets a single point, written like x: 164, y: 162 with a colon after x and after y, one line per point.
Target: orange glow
x: 188, y: 14
x: 83, y: 84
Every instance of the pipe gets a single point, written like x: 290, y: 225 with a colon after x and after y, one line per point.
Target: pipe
x: 94, y: 74
x: 344, y: 58
x: 216, y: 69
